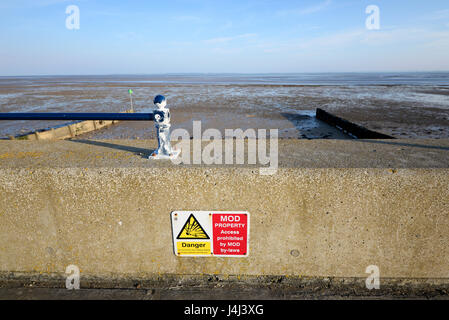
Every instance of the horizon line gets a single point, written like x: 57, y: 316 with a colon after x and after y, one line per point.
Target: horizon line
x: 218, y: 73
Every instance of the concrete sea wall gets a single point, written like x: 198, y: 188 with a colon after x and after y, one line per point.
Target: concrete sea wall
x: 101, y: 205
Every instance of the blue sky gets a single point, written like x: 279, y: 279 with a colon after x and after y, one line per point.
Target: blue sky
x: 235, y: 36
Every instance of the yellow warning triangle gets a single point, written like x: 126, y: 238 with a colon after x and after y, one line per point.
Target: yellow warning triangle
x: 192, y: 230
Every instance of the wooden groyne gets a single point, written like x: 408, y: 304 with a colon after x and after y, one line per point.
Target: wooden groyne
x: 67, y: 130
x: 348, y: 127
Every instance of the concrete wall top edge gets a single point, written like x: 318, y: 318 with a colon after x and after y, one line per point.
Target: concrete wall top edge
x: 291, y: 154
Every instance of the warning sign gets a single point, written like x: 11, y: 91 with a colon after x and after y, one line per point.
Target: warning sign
x: 210, y: 233
x: 192, y: 230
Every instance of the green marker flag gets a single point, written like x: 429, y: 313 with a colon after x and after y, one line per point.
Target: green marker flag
x: 131, y: 98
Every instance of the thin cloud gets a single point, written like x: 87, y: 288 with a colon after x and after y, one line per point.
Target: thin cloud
x: 19, y: 4
x: 361, y: 37
x: 437, y: 15
x: 305, y: 11
x: 188, y: 19
x: 228, y: 39
x: 227, y: 25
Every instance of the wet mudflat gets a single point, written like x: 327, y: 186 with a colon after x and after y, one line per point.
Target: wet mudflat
x: 403, y: 109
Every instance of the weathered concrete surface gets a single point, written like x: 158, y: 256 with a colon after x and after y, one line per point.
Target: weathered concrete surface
x: 293, y: 153
x: 332, y: 209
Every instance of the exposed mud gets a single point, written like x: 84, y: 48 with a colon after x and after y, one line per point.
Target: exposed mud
x: 403, y: 111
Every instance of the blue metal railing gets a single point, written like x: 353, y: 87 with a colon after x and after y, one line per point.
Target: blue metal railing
x: 81, y: 116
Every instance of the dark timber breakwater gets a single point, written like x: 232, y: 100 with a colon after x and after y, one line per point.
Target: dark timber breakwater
x: 352, y: 129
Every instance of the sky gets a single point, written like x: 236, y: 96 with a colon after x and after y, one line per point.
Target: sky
x: 221, y: 36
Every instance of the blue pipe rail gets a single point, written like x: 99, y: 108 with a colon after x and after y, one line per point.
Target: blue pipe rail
x: 81, y: 116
